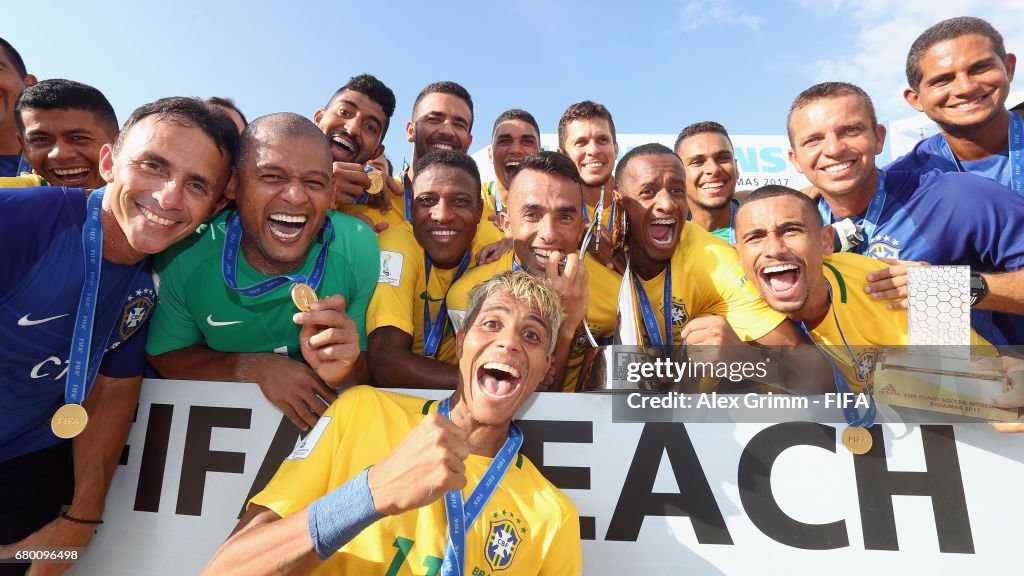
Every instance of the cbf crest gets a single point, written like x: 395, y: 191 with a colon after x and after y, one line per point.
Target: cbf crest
x: 679, y: 315
x: 883, y: 247
x: 138, y: 306
x: 503, y: 539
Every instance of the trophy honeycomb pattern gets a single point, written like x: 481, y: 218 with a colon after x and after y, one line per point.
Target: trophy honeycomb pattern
x: 939, y: 312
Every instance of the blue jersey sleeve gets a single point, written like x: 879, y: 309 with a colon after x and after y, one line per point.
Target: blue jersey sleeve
x: 127, y: 360
x: 968, y: 219
x: 35, y: 216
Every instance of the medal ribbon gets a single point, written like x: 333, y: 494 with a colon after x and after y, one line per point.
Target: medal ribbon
x: 853, y: 417
x: 462, y: 515
x: 1016, y: 140
x: 647, y: 312
x: 871, y: 217
x: 498, y: 207
x: 75, y: 387
x: 229, y: 262
x: 23, y: 166
x: 432, y: 331
x: 407, y: 193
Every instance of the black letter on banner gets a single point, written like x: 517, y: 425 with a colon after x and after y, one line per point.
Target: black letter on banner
x: 755, y: 484
x: 154, y: 458
x: 941, y: 481
x: 695, y: 500
x: 199, y: 459
x: 538, y: 432
x: 280, y: 447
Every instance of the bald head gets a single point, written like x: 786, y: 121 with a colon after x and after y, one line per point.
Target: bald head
x: 280, y: 126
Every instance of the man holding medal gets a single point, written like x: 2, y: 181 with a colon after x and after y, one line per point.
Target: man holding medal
x: 835, y: 137
x: 76, y: 297
x: 377, y: 454
x: 787, y: 252
x: 411, y: 343
x: 711, y: 174
x: 229, y: 294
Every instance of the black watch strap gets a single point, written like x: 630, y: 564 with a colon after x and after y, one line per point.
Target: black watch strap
x: 979, y: 288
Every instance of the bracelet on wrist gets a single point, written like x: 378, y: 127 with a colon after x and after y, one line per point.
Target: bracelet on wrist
x: 71, y: 518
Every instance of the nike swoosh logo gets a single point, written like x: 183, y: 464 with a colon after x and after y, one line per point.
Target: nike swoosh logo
x: 24, y: 321
x: 212, y: 322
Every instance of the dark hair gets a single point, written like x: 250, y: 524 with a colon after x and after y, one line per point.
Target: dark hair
x: 516, y: 114
x: 228, y: 103
x: 61, y: 94
x: 947, y: 30
x: 446, y: 87
x: 280, y: 123
x: 705, y: 127
x: 829, y: 90
x: 375, y: 90
x: 548, y: 162
x: 15, y: 58
x: 776, y: 190
x: 586, y: 110
x: 452, y: 158
x: 191, y: 113
x: 651, y: 149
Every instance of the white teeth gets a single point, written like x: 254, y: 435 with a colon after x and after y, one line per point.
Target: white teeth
x: 154, y: 218
x: 779, y: 268
x: 664, y: 221
x: 511, y: 165
x: 838, y: 167
x: 343, y: 143
x: 512, y: 371
x: 285, y: 235
x: 296, y: 219
x: 444, y: 147
x: 969, y: 104
x: 594, y: 165
x: 70, y: 171
x: 712, y: 186
x: 542, y: 253
x: 444, y: 233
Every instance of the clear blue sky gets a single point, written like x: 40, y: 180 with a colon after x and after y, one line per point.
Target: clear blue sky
x: 657, y: 65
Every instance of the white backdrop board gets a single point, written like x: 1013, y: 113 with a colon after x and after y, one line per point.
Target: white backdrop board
x: 654, y: 498
x: 761, y: 160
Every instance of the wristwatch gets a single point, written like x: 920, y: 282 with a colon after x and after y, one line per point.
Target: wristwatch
x: 979, y: 288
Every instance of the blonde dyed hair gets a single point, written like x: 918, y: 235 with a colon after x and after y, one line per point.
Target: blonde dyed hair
x: 535, y: 292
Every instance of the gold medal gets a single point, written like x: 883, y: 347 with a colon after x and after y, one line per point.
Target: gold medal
x: 69, y: 421
x: 857, y: 439
x: 303, y: 296
x: 376, y: 182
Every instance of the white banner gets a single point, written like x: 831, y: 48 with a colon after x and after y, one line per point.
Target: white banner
x: 701, y: 499
x: 762, y: 160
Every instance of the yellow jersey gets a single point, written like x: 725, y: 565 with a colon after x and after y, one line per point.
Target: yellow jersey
x: 24, y: 180
x: 528, y: 527
x: 402, y: 288
x: 868, y: 325
x: 603, y: 286
x: 485, y: 234
x: 707, y: 279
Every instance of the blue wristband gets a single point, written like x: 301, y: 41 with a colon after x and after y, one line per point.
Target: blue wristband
x: 341, y: 514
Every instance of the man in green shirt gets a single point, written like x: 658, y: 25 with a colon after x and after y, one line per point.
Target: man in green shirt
x: 226, y: 311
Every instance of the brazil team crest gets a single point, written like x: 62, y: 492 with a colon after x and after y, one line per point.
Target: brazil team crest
x: 503, y: 539
x: 883, y: 247
x: 679, y: 315
x: 137, y: 309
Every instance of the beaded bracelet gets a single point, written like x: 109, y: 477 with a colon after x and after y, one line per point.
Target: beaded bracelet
x: 71, y: 518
